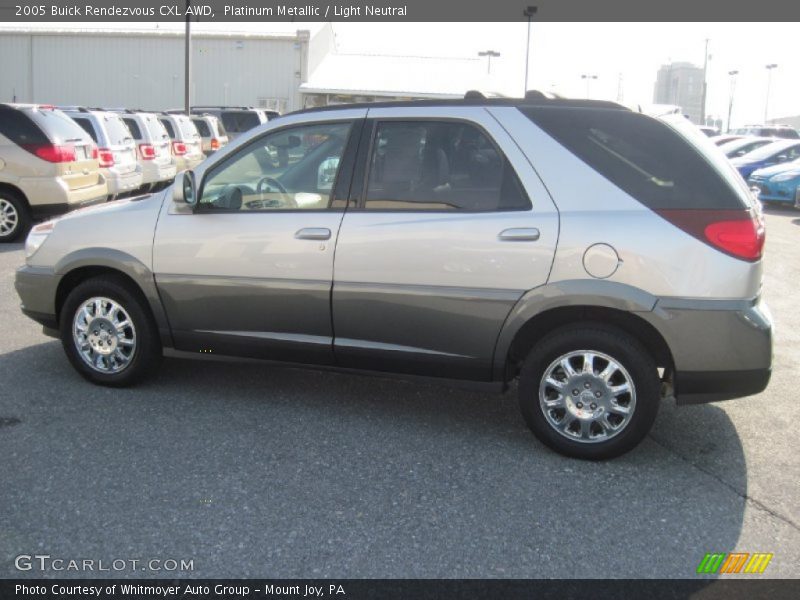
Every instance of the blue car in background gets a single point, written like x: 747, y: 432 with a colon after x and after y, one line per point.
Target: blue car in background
x: 776, y: 153
x: 778, y: 183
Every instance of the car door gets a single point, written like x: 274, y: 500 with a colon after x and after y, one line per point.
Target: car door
x: 450, y: 227
x: 249, y: 271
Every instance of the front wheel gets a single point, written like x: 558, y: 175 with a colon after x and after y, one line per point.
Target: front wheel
x: 108, y: 333
x: 589, y: 391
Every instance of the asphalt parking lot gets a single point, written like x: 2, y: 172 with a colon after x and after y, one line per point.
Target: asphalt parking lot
x: 259, y: 471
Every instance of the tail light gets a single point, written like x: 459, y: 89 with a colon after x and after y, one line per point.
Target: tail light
x: 95, y: 152
x: 147, y: 152
x: 738, y: 233
x: 214, y: 144
x: 51, y: 152
x: 178, y: 148
x: 106, y: 158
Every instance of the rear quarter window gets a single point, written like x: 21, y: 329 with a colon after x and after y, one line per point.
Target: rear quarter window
x: 202, y: 127
x: 645, y: 157
x: 133, y: 127
x: 19, y: 128
x: 168, y: 126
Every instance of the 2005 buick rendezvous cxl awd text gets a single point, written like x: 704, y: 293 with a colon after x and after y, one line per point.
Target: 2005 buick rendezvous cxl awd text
x: 604, y: 258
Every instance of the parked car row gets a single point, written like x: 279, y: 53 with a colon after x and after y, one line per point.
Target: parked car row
x: 768, y: 158
x: 57, y: 158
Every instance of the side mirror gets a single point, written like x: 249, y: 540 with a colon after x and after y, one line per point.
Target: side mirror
x: 184, y: 189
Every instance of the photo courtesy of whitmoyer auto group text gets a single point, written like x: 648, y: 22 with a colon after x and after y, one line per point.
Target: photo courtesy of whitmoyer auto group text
x: 399, y: 300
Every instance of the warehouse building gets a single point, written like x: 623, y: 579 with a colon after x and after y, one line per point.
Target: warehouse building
x: 280, y: 71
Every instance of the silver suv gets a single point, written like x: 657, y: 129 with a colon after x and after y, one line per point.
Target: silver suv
x: 602, y: 258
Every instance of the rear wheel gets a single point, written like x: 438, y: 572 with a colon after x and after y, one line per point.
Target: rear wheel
x: 589, y: 391
x: 14, y: 217
x: 108, y: 333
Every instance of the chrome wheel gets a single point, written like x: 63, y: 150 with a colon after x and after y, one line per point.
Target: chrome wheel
x: 104, y: 335
x: 9, y: 217
x: 587, y: 396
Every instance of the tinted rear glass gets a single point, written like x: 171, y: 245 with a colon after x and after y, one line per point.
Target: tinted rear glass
x: 645, y: 157
x: 17, y: 127
x: 229, y: 120
x: 168, y: 126
x: 118, y: 132
x: 202, y: 127
x: 87, y: 126
x: 133, y: 127
x: 57, y: 126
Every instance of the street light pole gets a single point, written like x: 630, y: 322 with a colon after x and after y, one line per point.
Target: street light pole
x: 733, y: 75
x: 528, y: 12
x: 588, y: 79
x: 705, y: 87
x: 489, y: 54
x: 769, y: 83
x: 187, y: 102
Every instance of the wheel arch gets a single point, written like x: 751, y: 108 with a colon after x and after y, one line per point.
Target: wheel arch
x: 12, y: 189
x: 545, y: 309
x: 76, y: 268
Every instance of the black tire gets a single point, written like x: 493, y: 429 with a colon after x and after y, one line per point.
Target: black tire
x: 145, y: 358
x: 23, y: 217
x: 627, y: 352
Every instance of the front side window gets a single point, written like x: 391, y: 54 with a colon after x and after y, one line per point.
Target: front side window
x: 439, y: 165
x: 290, y: 169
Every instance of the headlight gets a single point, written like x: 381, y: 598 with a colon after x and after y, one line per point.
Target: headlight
x: 786, y: 176
x: 37, y: 236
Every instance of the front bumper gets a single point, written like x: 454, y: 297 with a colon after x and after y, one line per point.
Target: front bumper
x: 721, y: 349
x: 36, y: 287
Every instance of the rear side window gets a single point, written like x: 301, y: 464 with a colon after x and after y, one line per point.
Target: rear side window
x: 168, y: 126
x: 202, y: 127
x: 57, y: 126
x: 87, y: 126
x: 133, y: 127
x: 229, y: 120
x: 645, y: 157
x: 432, y: 165
x: 17, y: 127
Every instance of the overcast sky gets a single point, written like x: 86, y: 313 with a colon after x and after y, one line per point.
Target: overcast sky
x: 562, y: 52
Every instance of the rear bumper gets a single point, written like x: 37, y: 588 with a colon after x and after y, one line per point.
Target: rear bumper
x: 721, y: 349
x: 50, y: 196
x: 155, y: 173
x: 128, y: 182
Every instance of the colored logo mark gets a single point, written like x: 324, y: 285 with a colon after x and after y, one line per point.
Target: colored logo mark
x: 734, y: 562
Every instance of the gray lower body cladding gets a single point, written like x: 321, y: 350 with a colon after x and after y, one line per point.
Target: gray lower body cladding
x: 721, y: 349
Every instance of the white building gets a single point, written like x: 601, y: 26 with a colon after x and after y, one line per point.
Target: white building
x: 283, y: 71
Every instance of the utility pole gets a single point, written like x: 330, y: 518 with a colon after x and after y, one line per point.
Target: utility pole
x: 705, y: 86
x: 528, y: 12
x: 489, y: 54
x: 188, y: 63
x: 769, y: 83
x: 732, y: 90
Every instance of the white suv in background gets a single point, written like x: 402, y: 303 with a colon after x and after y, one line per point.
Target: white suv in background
x: 186, y: 143
x: 212, y: 132
x: 116, y: 150
x: 152, y: 149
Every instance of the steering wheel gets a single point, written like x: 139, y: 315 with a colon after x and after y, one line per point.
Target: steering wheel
x: 272, y: 182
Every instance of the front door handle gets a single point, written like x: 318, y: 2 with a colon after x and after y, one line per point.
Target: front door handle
x: 521, y: 234
x: 313, y: 233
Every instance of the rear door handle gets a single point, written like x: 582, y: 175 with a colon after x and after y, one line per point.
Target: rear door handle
x: 521, y: 234
x: 313, y: 233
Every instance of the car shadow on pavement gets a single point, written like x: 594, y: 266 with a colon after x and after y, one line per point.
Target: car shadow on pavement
x: 11, y: 247
x: 305, y: 473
